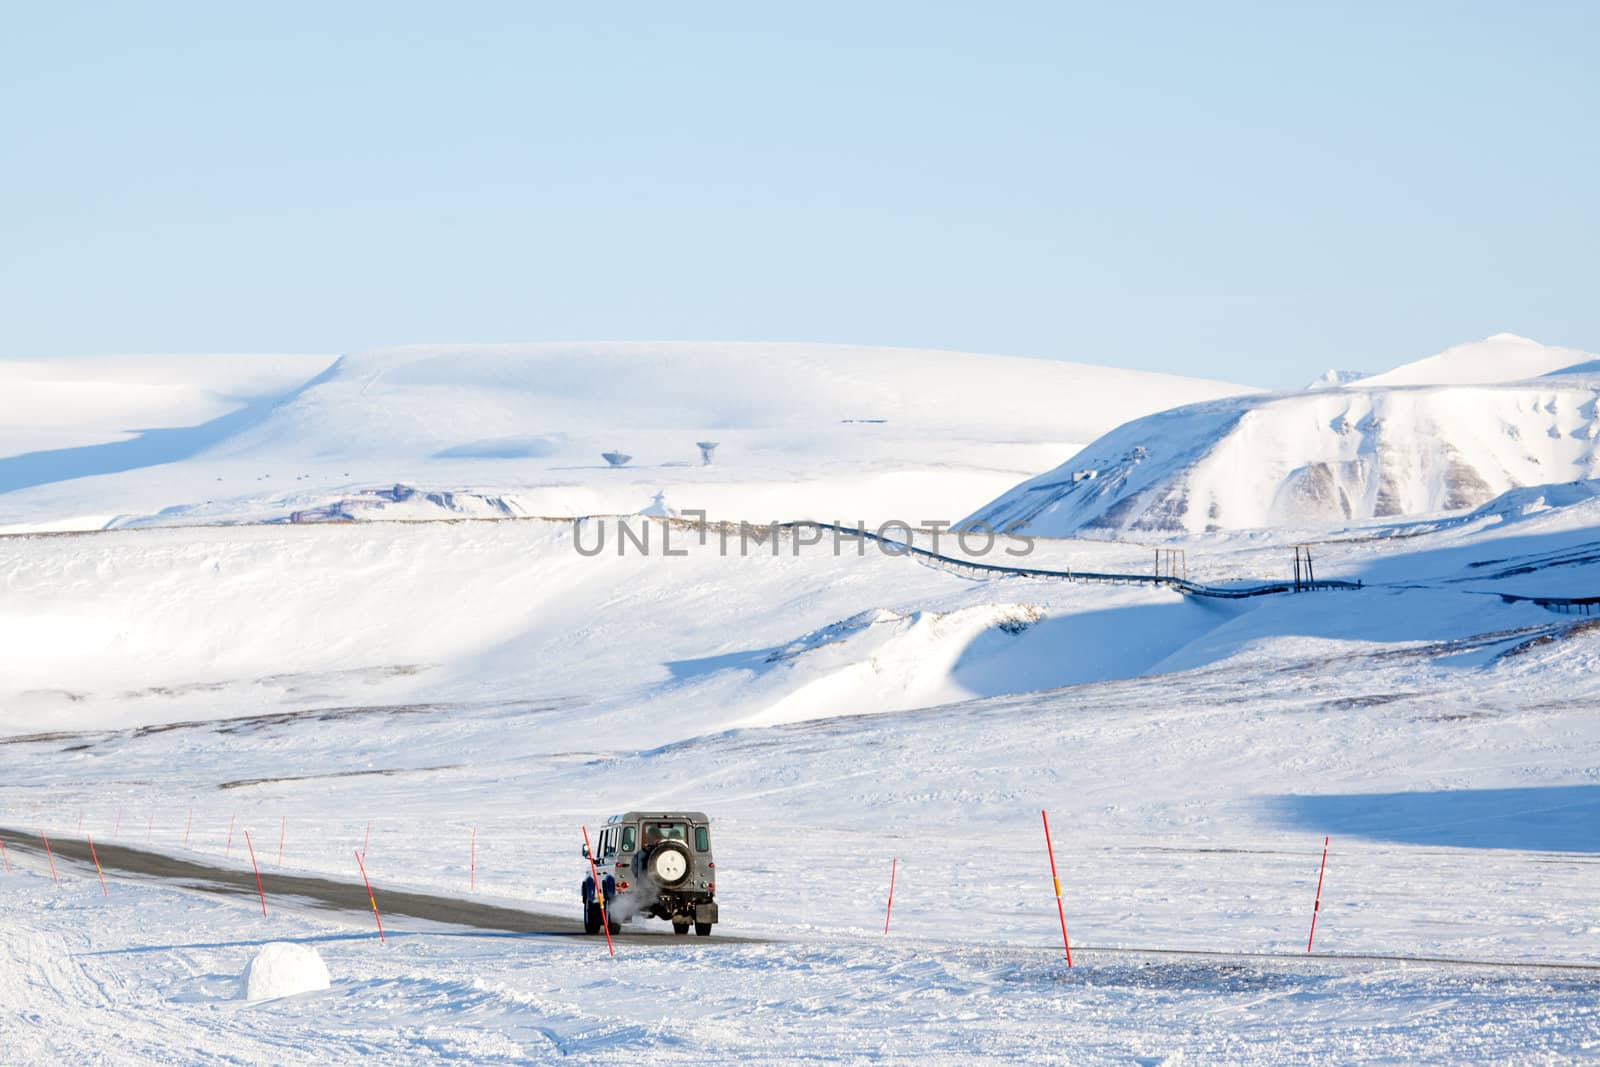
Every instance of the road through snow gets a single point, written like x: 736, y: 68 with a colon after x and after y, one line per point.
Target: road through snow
x: 319, y: 892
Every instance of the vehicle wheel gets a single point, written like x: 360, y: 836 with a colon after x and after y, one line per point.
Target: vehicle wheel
x: 616, y: 927
x: 591, y: 918
x: 702, y: 929
x: 680, y: 928
x: 669, y: 865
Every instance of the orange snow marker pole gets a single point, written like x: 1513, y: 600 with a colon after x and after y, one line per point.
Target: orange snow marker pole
x: 283, y: 824
x: 97, y: 870
x: 1318, y: 905
x: 259, y: 891
x: 1054, y: 878
x: 52, y: 855
x: 365, y: 841
x: 474, y: 882
x: 231, y: 818
x: 599, y: 894
x: 894, y: 861
x: 370, y: 898
x: 187, y: 827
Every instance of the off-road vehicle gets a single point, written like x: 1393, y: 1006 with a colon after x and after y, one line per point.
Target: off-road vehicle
x: 653, y: 863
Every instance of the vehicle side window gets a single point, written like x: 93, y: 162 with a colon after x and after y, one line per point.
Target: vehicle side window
x: 608, y: 842
x: 627, y: 838
x: 702, y: 839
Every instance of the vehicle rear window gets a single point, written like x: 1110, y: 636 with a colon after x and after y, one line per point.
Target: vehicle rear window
x: 628, y: 839
x: 664, y: 831
x: 702, y: 839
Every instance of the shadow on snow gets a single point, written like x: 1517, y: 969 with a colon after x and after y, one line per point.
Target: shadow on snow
x: 1561, y: 818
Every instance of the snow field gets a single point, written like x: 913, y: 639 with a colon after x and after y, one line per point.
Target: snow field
x: 98, y: 983
x: 526, y: 726
x: 834, y: 714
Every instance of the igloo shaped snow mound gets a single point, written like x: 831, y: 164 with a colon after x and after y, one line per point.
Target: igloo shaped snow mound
x: 282, y: 969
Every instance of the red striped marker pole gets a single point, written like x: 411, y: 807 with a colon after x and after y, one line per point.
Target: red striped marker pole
x: 231, y: 818
x: 97, y: 870
x: 1060, y: 911
x: 366, y: 840
x: 474, y: 882
x: 52, y: 855
x: 187, y: 827
x: 259, y: 891
x: 283, y: 826
x: 599, y: 894
x: 889, y: 909
x: 1318, y: 905
x: 370, y: 898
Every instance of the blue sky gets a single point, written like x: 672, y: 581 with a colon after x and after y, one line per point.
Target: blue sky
x: 1236, y: 191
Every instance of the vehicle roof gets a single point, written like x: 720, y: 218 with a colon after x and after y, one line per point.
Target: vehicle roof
x: 630, y: 816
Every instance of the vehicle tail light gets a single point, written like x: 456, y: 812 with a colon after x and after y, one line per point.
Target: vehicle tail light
x: 621, y: 886
x: 712, y: 888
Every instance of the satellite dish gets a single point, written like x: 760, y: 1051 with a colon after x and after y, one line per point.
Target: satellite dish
x: 706, y: 448
x: 616, y: 459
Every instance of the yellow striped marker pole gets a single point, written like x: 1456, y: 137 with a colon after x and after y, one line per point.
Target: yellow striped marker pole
x: 1060, y: 911
x: 96, y: 857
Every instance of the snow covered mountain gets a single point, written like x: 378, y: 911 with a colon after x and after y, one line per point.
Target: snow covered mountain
x: 1443, y: 434
x: 1503, y: 357
x: 805, y: 430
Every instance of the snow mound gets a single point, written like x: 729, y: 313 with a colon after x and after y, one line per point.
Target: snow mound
x: 1321, y: 457
x: 1505, y: 357
x: 885, y: 660
x: 282, y: 969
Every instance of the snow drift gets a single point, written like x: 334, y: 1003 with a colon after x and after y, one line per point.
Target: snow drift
x: 1362, y: 451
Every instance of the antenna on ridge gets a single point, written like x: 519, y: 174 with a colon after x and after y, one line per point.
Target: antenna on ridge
x: 706, y: 448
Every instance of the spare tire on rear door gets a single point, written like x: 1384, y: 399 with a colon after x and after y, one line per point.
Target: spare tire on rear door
x: 669, y: 864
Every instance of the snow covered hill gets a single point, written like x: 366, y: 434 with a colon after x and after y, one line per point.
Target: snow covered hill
x: 803, y: 430
x: 1503, y: 357
x: 92, y: 400
x: 1444, y: 434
